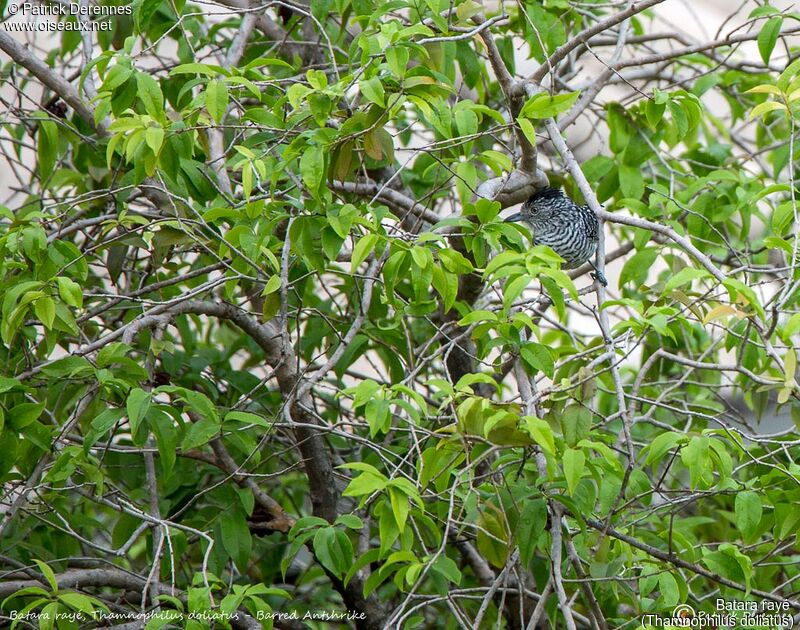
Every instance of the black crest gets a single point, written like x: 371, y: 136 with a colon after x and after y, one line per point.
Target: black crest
x: 546, y: 194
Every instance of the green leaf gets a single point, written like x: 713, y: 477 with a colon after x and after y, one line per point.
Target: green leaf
x: 528, y: 130
x: 631, y: 182
x: 768, y: 37
x: 217, y: 100
x: 738, y: 288
x: 685, y: 276
x: 48, y: 573
x: 421, y: 256
x: 574, y: 461
x: 670, y: 595
x: 546, y: 106
x: 378, y: 144
x: 378, y: 415
x: 397, y: 60
x: 679, y: 119
x: 149, y: 92
x: 47, y: 147
x: 576, y: 424
x: 730, y: 563
x: 70, y: 291
x: 143, y: 11
x: 541, y: 433
x: 101, y: 425
x: 661, y: 444
x: 372, y: 89
x: 45, y: 310
x: 446, y: 284
x: 363, y: 248
x: 399, y: 503
x: 272, y: 285
x: 200, y: 433
x: 116, y: 76
x: 351, y: 521
x: 10, y: 384
x: 765, y: 88
x: 312, y: 168
x: 765, y: 108
x: 137, y: 405
x: 537, y: 357
x: 492, y: 537
x: 637, y: 267
x: 373, y: 555
x: 208, y: 70
x: 790, y: 367
x: 748, y: 512
x: 514, y: 288
x: 387, y: 527
x: 48, y: 615
x: 154, y: 138
x: 466, y: 123
x: 236, y: 538
x: 556, y: 296
x: 787, y: 519
x: 788, y: 74
x: 454, y: 261
x: 792, y: 327
x: 447, y: 567
x: 84, y: 603
x: 166, y: 433
x: 365, y: 484
x: 476, y: 316
x: 247, y: 418
x: 782, y: 219
x: 695, y: 457
x: 333, y: 550
x: 531, y: 525
x: 654, y: 112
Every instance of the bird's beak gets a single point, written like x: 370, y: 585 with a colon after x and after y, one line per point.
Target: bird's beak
x: 514, y: 217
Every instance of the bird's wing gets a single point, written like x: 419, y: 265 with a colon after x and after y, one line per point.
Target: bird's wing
x: 590, y: 218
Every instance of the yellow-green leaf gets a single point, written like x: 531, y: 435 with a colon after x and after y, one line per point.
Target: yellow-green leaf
x: 765, y: 108
x: 217, y: 100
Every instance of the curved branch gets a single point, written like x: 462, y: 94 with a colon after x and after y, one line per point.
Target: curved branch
x: 323, y: 490
x: 45, y: 74
x: 389, y: 196
x: 581, y: 38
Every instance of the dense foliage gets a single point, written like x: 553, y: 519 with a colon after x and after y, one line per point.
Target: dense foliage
x: 269, y: 347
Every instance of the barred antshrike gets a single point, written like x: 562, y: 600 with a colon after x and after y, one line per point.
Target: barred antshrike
x: 568, y: 229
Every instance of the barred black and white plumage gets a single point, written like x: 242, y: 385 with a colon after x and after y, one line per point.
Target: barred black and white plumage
x: 568, y: 229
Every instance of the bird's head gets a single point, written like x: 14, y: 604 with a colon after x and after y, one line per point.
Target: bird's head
x: 540, y: 207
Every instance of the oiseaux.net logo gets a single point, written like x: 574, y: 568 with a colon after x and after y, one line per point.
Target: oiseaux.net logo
x: 684, y: 616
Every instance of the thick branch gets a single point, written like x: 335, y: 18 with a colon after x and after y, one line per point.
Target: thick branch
x: 47, y: 76
x: 324, y: 495
x: 513, y: 96
x: 280, y: 520
x: 316, y: 458
x: 392, y: 198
